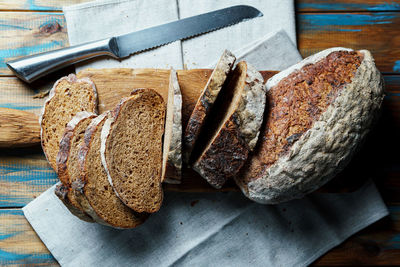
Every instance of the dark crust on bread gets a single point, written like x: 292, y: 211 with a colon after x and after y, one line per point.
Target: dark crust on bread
x: 62, y: 156
x: 79, y: 185
x: 300, y: 108
x: 242, y: 106
x: 224, y: 158
x: 203, y: 107
x: 62, y: 164
x: 61, y: 192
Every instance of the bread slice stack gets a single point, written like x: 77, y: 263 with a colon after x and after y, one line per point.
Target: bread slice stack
x: 228, y: 127
x: 125, y: 187
x: 92, y: 189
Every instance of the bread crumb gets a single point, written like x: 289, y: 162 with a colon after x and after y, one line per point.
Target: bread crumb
x: 41, y: 94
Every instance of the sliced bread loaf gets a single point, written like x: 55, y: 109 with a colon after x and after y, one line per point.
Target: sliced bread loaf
x: 236, y: 128
x: 68, y: 96
x: 172, y: 150
x: 93, y: 190
x: 131, y: 150
x: 320, y: 110
x: 205, y: 102
x: 67, y: 157
x: 61, y: 192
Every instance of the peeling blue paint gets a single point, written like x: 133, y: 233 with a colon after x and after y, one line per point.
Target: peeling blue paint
x: 19, y: 107
x: 335, y: 22
x: 396, y: 67
x: 12, y: 212
x: 10, y: 257
x: 393, y: 243
x: 30, y: 5
x: 5, y: 236
x: 388, y: 6
x: 16, y: 50
x: 348, y: 30
x: 4, y: 26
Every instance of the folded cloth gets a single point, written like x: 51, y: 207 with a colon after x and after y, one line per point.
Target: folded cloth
x: 203, y: 229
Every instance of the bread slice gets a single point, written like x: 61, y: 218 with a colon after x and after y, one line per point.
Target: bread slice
x: 205, y: 102
x: 320, y: 112
x: 172, y: 150
x: 92, y: 189
x: 61, y: 192
x: 235, y: 130
x: 131, y: 150
x: 67, y: 158
x: 68, y: 96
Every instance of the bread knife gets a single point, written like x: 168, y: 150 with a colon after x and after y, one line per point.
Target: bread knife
x: 33, y: 67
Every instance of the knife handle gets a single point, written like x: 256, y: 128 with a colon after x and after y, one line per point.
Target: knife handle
x: 33, y: 67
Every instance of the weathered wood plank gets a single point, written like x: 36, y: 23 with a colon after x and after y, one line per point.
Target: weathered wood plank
x: 19, y: 244
x: 18, y: 95
x: 347, y: 5
x: 302, y: 5
x: 23, y: 178
x: 37, y: 5
x: 376, y: 245
x: 377, y: 32
x: 379, y: 244
x: 29, y: 33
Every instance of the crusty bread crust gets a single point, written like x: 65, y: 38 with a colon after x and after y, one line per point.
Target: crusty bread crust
x: 63, y: 158
x: 326, y: 148
x: 70, y: 79
x: 80, y: 189
x: 206, y: 101
x: 229, y: 148
x: 61, y: 192
x: 172, y: 164
x: 65, y: 146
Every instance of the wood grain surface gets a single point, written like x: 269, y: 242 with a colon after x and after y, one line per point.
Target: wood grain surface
x: 31, y: 26
x: 18, y: 128
x: 28, y: 34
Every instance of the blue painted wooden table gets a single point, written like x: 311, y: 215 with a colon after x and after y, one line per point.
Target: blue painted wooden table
x: 32, y: 26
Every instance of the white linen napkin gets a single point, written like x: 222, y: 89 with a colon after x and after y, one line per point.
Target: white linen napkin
x: 202, y: 229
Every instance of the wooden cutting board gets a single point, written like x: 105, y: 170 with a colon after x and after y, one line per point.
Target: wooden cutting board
x: 113, y: 84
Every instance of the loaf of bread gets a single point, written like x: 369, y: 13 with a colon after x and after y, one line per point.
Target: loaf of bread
x: 234, y: 126
x: 320, y: 111
x: 131, y: 150
x: 92, y: 188
x: 68, y: 96
x: 205, y: 102
x: 172, y: 147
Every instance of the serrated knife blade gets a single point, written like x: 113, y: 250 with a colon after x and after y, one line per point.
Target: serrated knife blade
x: 181, y: 29
x: 33, y: 67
